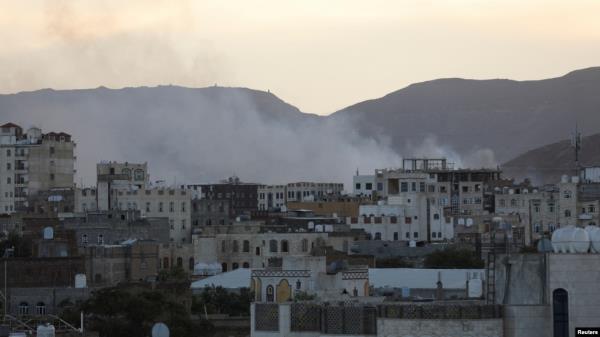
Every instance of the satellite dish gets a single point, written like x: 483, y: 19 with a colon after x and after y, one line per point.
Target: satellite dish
x: 160, y: 330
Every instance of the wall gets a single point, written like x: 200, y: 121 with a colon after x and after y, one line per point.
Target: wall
x: 389, y: 327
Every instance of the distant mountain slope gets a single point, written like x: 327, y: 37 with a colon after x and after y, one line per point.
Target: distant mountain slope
x: 546, y: 164
x: 205, y: 134
x: 506, y: 116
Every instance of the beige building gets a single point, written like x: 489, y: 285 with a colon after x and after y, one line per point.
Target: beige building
x: 31, y: 162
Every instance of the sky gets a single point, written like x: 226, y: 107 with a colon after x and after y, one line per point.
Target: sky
x: 318, y: 55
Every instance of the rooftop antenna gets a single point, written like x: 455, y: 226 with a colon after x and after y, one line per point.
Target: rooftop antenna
x: 576, y: 143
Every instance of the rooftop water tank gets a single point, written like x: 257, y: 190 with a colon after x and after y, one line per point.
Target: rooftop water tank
x: 45, y: 330
x: 475, y: 288
x: 557, y: 240
x: 594, y: 234
x: 80, y: 281
x: 580, y: 241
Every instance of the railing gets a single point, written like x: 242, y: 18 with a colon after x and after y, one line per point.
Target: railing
x: 30, y: 323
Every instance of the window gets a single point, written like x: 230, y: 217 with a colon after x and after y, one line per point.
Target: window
x: 273, y: 246
x: 560, y: 308
x: 380, y: 186
x: 395, y: 236
x: 591, y: 209
x: 246, y: 246
x: 368, y: 186
x: 51, y: 150
x: 8, y: 153
x: 8, y: 180
x: 84, y: 239
x: 284, y: 246
x: 126, y: 172
x: 23, y: 308
x: 246, y: 265
x: 536, y: 228
x: 270, y: 294
x: 422, y: 186
x: 358, y: 186
x: 183, y: 207
x: 304, y: 245
x: 171, y: 207
x: 433, y: 234
x: 148, y: 207
x: 465, y: 189
x: 182, y: 223
x: 567, y: 194
x: 436, y: 216
x: 416, y: 235
x: 513, y: 202
x: 100, y: 239
x: 407, y: 235
x: 257, y: 251
x: 40, y: 309
x: 407, y: 220
x: 165, y: 263
x: 439, y: 235
x: 223, y: 267
x: 180, y: 262
x: 223, y: 246
x: 567, y: 213
x: 160, y: 206
x: 413, y: 186
x: 8, y: 166
x: 138, y: 175
x: 404, y: 187
x: 235, y: 246
x: 191, y: 263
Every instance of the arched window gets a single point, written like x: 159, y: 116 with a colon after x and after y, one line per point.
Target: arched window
x: 284, y: 246
x: 273, y: 246
x: 224, y: 267
x: 235, y: 266
x: 246, y: 265
x: 23, y: 308
x: 560, y: 309
x: 40, y: 309
x: 165, y: 263
x: 270, y: 293
x: 257, y: 251
x: 246, y: 246
x: 180, y: 262
x: 191, y: 263
x: 304, y: 245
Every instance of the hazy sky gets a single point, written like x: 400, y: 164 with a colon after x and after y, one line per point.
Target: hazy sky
x: 320, y: 55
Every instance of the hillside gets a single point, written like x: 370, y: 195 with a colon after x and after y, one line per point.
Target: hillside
x: 546, y: 164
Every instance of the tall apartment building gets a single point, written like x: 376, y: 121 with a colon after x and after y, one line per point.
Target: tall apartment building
x: 277, y: 196
x: 31, y: 162
x: 462, y: 190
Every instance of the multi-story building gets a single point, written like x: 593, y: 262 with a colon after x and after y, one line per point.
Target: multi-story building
x: 32, y: 162
x: 271, y: 197
x: 114, y: 176
x: 241, y: 197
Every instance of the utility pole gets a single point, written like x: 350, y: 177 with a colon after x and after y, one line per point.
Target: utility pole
x: 576, y: 143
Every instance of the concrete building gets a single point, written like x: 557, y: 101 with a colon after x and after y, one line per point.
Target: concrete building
x: 409, y: 217
x: 31, y: 162
x: 130, y: 261
x: 462, y: 190
x: 311, y: 191
x: 114, y: 227
x: 271, y: 197
x: 365, y: 185
x: 241, y: 197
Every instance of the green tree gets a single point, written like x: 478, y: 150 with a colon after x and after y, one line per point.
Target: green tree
x: 453, y: 258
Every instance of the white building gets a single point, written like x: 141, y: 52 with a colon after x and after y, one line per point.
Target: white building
x: 277, y: 196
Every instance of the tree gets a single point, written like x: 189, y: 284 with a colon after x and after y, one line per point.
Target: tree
x: 453, y: 258
x: 217, y: 300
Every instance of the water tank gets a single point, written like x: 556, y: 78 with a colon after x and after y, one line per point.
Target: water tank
x: 595, y: 239
x: 564, y: 179
x: 475, y: 288
x: 412, y: 243
x: 46, y: 330
x: 469, y: 222
x: 580, y: 241
x: 557, y: 240
x: 80, y: 281
x: 160, y: 330
x: 575, y: 179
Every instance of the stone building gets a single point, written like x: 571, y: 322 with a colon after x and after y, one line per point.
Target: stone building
x: 241, y: 197
x: 130, y: 261
x: 31, y: 162
x: 276, y: 197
